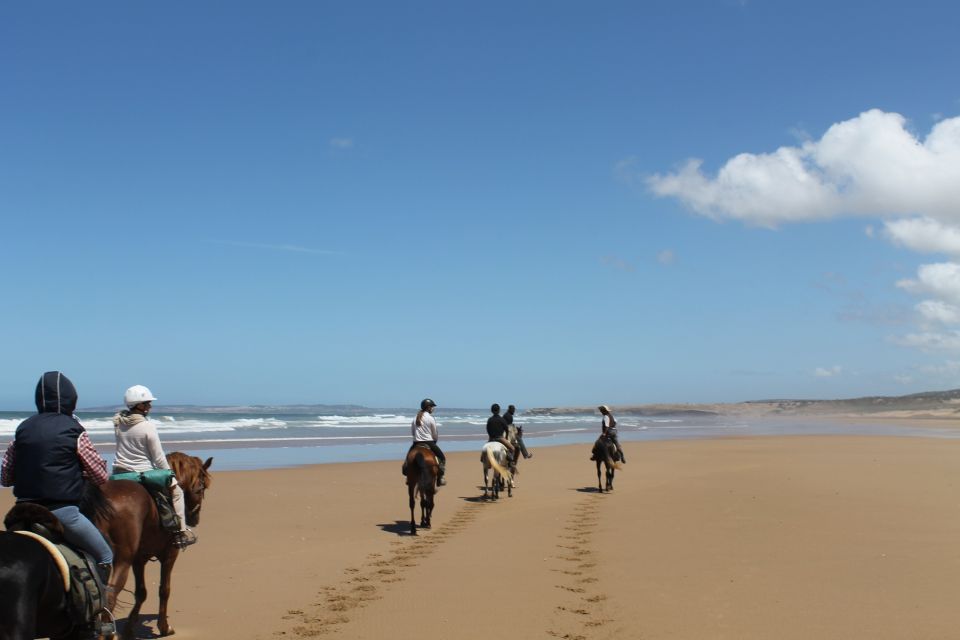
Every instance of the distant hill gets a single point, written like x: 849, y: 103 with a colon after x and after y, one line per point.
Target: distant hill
x: 929, y: 404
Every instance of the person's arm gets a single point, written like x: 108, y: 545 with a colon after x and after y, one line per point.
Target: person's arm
x: 94, y: 466
x: 154, y: 450
x: 433, y: 429
x: 6, y: 472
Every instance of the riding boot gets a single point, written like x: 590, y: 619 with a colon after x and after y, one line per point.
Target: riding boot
x: 440, y: 479
x: 104, y: 569
x: 104, y: 625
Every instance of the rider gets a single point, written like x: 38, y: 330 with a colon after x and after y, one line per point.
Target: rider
x: 508, y: 418
x: 608, y: 428
x: 46, y: 463
x: 424, y: 431
x: 139, y: 450
x: 497, y: 432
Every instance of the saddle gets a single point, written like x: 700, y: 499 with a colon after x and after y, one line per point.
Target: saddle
x: 158, y: 483
x: 86, y: 595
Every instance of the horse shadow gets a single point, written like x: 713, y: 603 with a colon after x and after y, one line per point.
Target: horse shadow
x: 398, y: 527
x: 588, y: 490
x: 146, y: 626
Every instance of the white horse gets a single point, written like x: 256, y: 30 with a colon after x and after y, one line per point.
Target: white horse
x: 494, y: 456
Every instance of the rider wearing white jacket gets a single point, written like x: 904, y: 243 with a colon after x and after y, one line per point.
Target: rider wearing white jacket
x: 139, y: 450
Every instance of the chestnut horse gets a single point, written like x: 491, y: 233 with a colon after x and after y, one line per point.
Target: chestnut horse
x: 422, y: 472
x: 137, y: 537
x: 605, y: 453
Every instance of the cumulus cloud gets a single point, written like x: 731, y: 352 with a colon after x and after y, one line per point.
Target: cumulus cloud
x: 941, y: 280
x: 925, y: 235
x: 868, y: 165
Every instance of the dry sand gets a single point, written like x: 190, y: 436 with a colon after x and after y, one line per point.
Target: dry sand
x: 785, y: 537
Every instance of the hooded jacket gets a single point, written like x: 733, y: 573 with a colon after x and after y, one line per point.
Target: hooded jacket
x: 138, y: 445
x: 48, y: 469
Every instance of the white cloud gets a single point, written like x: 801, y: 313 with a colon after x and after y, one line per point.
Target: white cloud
x: 941, y: 280
x: 924, y: 235
x: 666, y: 257
x: 833, y: 371
x: 868, y: 165
x: 939, y: 312
x: 341, y: 143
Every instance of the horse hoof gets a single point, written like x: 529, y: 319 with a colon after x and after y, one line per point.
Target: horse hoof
x: 168, y: 632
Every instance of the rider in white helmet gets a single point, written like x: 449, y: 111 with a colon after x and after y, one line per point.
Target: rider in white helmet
x: 139, y: 450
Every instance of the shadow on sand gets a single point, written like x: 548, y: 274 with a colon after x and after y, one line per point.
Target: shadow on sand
x: 398, y: 527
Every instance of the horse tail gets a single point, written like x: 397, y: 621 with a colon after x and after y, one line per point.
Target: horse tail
x: 95, y: 505
x: 611, y: 460
x: 499, y: 468
x: 425, y: 484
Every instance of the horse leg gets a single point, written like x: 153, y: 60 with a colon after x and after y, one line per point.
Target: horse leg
x: 139, y: 595
x: 413, y: 523
x: 166, y: 570
x: 117, y: 581
x: 599, y: 477
x: 485, y: 475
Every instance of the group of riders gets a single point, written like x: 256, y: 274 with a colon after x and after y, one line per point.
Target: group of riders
x: 51, y: 455
x: 425, y: 433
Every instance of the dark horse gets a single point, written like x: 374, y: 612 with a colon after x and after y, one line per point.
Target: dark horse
x: 33, y: 601
x: 605, y: 453
x: 137, y: 537
x: 422, y: 471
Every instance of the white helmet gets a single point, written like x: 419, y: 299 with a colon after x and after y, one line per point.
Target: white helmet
x: 137, y: 394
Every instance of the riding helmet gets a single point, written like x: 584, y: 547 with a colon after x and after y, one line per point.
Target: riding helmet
x: 426, y: 403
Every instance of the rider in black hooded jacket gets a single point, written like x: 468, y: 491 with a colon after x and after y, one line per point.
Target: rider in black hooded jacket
x: 47, y: 460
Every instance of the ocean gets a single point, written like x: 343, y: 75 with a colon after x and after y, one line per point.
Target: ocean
x: 262, y: 440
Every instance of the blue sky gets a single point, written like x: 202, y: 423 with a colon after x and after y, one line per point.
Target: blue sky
x: 372, y: 202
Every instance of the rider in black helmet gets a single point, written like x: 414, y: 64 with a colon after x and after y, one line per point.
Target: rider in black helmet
x: 497, y: 431
x: 424, y: 430
x: 508, y: 418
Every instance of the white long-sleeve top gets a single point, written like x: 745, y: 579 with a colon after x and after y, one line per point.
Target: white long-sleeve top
x: 138, y: 445
x: 426, y: 430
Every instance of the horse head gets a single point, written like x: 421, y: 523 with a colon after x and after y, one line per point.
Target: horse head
x: 194, y: 479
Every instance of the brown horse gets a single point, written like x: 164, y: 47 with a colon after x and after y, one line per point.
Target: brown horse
x: 137, y: 537
x: 422, y: 472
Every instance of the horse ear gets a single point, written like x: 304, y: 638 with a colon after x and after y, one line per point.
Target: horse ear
x: 206, y: 465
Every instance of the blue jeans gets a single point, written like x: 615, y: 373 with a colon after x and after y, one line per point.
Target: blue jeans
x: 80, y: 532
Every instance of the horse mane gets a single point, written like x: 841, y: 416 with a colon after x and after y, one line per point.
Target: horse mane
x: 94, y: 504
x: 187, y: 468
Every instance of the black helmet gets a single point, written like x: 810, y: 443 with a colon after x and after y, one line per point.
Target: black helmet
x: 494, y: 408
x: 426, y: 403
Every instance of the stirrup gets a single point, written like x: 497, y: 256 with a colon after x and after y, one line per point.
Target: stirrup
x: 183, y: 539
x: 106, y: 628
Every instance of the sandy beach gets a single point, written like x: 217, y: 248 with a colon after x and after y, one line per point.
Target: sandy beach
x: 778, y: 537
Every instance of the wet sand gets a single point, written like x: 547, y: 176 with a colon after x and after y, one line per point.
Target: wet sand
x: 779, y: 537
